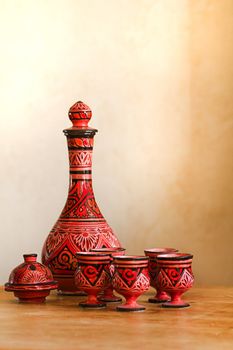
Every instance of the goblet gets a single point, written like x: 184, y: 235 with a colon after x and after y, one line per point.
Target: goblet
x: 131, y: 279
x: 152, y: 253
x: 175, y: 277
x: 108, y: 295
x: 92, y: 276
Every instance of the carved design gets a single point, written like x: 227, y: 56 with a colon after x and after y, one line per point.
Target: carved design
x: 131, y: 279
x: 89, y: 276
x: 171, y: 278
x: 81, y: 202
x: 80, y: 158
x: 30, y: 273
x: 153, y: 272
x: 64, y: 260
x: 67, y: 238
x: 80, y: 142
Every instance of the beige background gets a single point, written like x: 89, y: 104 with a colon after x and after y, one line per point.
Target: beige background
x: 159, y: 78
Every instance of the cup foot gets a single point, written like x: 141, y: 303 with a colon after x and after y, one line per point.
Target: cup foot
x: 175, y: 305
x: 127, y: 308
x: 97, y: 305
x: 157, y: 300
x: 112, y: 299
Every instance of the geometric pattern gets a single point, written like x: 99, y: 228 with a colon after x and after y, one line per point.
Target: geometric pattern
x: 136, y: 281
x: 175, y: 278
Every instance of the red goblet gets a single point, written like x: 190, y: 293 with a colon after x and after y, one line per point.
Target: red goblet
x: 175, y: 277
x: 93, y: 276
x: 131, y: 279
x: 152, y: 253
x: 108, y: 295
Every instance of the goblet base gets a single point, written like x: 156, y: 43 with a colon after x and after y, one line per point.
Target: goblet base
x: 175, y: 304
x: 110, y: 299
x: 156, y: 300
x: 97, y: 305
x: 128, y: 308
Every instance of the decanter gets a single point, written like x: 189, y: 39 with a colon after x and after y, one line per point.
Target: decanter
x: 81, y: 225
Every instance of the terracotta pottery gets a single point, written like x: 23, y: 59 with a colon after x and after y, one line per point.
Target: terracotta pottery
x: 108, y: 295
x: 175, y: 277
x: 93, y: 276
x: 81, y: 226
x: 131, y: 279
x: 152, y: 253
x: 31, y: 281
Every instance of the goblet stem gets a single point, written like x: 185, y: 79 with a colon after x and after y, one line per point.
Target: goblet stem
x: 92, y: 299
x: 160, y: 297
x: 130, y: 304
x: 92, y: 302
x: 131, y: 301
x: 108, y: 296
x: 176, y: 301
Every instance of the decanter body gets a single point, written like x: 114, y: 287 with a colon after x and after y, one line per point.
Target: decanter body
x: 81, y: 226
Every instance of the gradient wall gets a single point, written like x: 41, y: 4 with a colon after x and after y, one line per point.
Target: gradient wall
x: 158, y: 76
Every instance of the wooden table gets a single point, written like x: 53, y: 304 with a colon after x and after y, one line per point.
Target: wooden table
x: 61, y: 324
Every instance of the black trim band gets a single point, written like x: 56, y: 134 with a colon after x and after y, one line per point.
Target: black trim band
x: 80, y: 171
x: 72, y: 133
x: 80, y: 148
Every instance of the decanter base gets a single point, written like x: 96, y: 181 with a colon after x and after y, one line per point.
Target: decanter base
x: 67, y: 287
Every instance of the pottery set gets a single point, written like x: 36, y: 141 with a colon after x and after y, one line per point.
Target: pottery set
x: 82, y: 255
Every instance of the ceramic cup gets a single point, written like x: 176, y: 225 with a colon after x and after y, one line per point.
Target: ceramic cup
x: 152, y: 253
x: 175, y: 277
x: 108, y: 296
x: 131, y: 279
x: 93, y: 276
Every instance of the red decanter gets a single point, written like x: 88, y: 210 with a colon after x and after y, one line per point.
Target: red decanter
x: 81, y: 226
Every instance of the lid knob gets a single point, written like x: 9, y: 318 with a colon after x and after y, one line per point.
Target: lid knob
x: 80, y: 114
x: 28, y: 258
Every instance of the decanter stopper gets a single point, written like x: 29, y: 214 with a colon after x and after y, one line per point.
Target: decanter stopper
x: 80, y: 114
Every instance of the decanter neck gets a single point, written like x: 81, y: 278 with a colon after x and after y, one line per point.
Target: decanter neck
x: 80, y: 147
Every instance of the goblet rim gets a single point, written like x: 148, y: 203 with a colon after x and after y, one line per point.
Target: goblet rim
x: 164, y: 250
x: 174, y: 256
x: 131, y: 257
x: 112, y: 249
x: 92, y: 254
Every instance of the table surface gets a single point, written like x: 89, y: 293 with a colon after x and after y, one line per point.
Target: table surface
x: 61, y: 324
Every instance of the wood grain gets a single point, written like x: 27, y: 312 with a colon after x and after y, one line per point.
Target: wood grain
x: 61, y: 324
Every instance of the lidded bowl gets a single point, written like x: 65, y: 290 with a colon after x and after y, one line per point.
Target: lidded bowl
x: 31, y: 281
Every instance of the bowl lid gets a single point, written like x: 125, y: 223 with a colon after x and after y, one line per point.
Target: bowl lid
x: 30, y: 275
